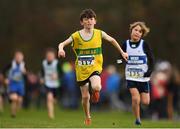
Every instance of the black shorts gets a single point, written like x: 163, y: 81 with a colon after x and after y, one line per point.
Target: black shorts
x: 54, y: 91
x: 140, y: 86
x: 2, y: 91
x: 82, y: 83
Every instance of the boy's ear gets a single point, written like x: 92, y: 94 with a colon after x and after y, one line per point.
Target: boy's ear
x: 81, y: 23
x: 95, y: 21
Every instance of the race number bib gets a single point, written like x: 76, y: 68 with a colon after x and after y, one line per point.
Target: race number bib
x: 86, y: 60
x: 17, y: 76
x: 134, y: 73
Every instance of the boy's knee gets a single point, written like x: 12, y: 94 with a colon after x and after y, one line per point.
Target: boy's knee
x: 135, y: 100
x: 96, y: 87
x: 50, y: 97
x: 85, y: 97
x: 146, y: 101
x: 14, y: 97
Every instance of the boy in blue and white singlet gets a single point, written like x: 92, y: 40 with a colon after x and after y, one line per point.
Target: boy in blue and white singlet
x: 138, y: 67
x: 51, y: 72
x: 15, y: 75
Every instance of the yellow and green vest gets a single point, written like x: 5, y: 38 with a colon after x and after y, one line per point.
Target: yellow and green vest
x: 88, y: 54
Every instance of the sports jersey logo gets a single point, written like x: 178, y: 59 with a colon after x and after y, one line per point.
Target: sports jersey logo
x: 136, y: 60
x: 91, y: 51
x: 133, y: 45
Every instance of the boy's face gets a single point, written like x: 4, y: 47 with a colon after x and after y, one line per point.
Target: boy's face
x: 136, y: 33
x: 18, y: 57
x: 88, y: 23
x: 50, y: 56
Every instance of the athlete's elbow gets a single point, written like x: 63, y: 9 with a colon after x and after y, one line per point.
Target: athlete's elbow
x: 112, y: 40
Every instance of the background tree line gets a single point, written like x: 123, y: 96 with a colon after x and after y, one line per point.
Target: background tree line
x: 34, y: 25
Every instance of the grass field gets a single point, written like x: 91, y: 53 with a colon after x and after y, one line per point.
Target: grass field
x: 68, y: 118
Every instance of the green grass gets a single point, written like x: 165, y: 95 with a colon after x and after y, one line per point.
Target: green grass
x: 68, y: 118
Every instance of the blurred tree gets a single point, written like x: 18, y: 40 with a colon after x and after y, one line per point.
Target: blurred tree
x: 33, y: 25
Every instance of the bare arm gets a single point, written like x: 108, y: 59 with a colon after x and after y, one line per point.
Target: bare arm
x: 114, y: 43
x: 61, y: 52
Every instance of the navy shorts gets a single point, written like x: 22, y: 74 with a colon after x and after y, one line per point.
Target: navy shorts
x: 140, y: 86
x: 54, y: 91
x: 82, y: 83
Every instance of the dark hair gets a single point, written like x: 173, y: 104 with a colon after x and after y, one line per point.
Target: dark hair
x: 51, y: 50
x: 87, y: 13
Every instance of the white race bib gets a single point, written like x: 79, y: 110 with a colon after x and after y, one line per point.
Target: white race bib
x: 134, y: 73
x: 86, y: 60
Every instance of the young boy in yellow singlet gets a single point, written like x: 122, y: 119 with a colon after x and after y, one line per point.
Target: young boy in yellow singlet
x: 86, y: 44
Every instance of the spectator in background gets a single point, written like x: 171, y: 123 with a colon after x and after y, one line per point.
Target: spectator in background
x: 32, y: 90
x: 159, y: 81
x: 173, y: 91
x: 51, y: 74
x: 70, y: 94
x: 103, y: 94
x: 113, y: 88
x: 15, y: 75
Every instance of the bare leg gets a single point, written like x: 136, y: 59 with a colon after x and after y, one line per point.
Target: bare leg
x: 135, y: 102
x: 95, y: 82
x: 1, y: 104
x: 145, y: 98
x: 14, y: 104
x: 50, y: 105
x: 85, y: 100
x: 96, y: 87
x: 20, y: 101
